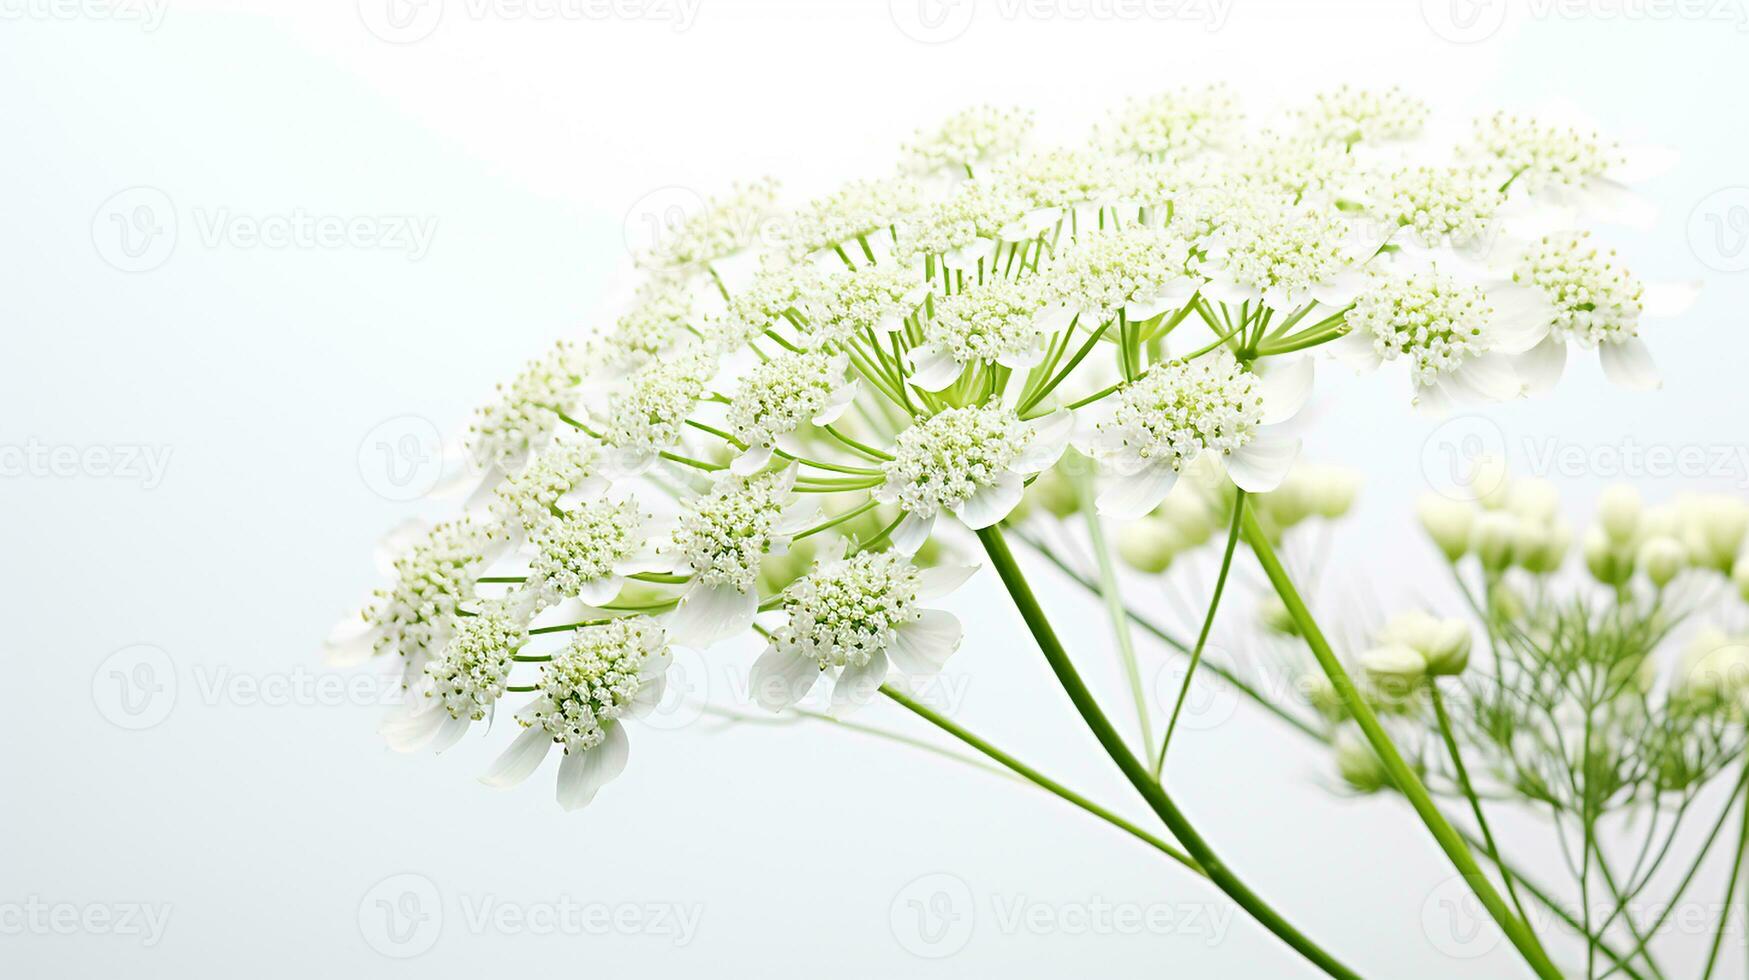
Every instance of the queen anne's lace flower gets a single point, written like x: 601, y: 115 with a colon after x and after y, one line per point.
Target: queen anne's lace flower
x: 1169, y: 417
x: 968, y: 137
x: 1442, y: 328
x: 607, y: 674
x: 647, y: 418
x: 725, y: 226
x: 1064, y: 178
x: 721, y: 538
x: 1173, y: 124
x: 783, y: 394
x: 1354, y: 115
x: 852, y: 614
x: 774, y: 293
x: 587, y: 552
x: 1291, y: 165
x: 997, y: 322
x: 875, y: 297
x: 657, y: 324
x: 530, y: 498
x: 1261, y: 248
x: 522, y: 420
x: 971, y: 461
x: 415, y: 615
x: 1142, y: 273
x: 1439, y: 206
x: 463, y: 683
x: 1533, y: 154
x: 967, y: 225
x: 857, y: 210
x: 1595, y: 301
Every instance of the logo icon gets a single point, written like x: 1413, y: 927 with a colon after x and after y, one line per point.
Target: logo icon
x: 1718, y: 230
x: 135, y: 230
x: 932, y: 21
x: 401, y: 916
x: 135, y: 687
x: 1208, y: 704
x: 1453, y: 457
x: 652, y: 220
x: 933, y: 916
x: 1464, y: 21
x: 1454, y: 920
x: 401, y: 21
x: 401, y: 459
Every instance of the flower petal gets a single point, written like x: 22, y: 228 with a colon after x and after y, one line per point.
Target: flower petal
x: 933, y: 368
x: 1131, y: 496
x: 1260, y: 465
x: 1050, y: 436
x: 751, y: 461
x: 838, y: 401
x: 858, y: 684
x: 988, y: 505
x: 939, y: 580
x: 708, y: 614
x: 1629, y: 364
x: 1487, y: 377
x: 911, y: 532
x: 780, y: 679
x: 521, y: 759
x: 1541, y: 366
x: 604, y: 589
x: 1286, y: 384
x: 923, y: 645
x: 582, y: 774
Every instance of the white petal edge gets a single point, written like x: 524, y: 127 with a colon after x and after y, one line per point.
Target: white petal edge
x: 1050, y: 436
x: 1629, y: 364
x: 1129, y: 497
x: 521, y: 759
x: 911, y: 532
x: 780, y: 679
x: 1260, y: 465
x: 923, y: 645
x: 1286, y: 384
x: 988, y: 505
x: 858, y: 685
x: 582, y: 774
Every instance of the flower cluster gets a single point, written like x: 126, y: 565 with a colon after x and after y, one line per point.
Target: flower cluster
x: 585, y: 689
x: 583, y: 552
x: 471, y: 674
x: 523, y: 418
x: 530, y: 498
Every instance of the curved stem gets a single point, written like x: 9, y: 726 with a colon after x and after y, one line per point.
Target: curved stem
x: 1469, y: 791
x: 1402, y: 776
x: 1114, y: 605
x: 1039, y: 779
x: 1712, y: 958
x: 1134, y: 769
x: 1208, y: 622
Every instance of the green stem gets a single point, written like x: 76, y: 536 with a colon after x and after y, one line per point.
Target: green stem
x: 1401, y: 775
x: 1114, y: 605
x: 1712, y: 958
x: 1133, y: 768
x: 1208, y: 622
x: 1037, y: 778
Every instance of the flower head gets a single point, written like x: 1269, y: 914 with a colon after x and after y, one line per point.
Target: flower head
x: 1355, y: 115
x: 996, y: 322
x: 522, y: 420
x: 782, y: 395
x: 1173, y: 124
x: 1439, y: 206
x: 859, y: 209
x: 1534, y: 155
x: 725, y: 225
x: 1140, y: 272
x: 970, y: 461
x: 1441, y: 327
x: 968, y: 137
x: 585, y: 552
x: 875, y: 297
x: 470, y: 675
x: 648, y: 417
x: 530, y: 498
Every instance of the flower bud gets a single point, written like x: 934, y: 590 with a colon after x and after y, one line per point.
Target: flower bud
x: 1054, y: 491
x: 1444, y: 644
x: 1740, y: 575
x: 1276, y: 617
x: 1357, y: 763
x: 1290, y: 503
x: 1493, y: 537
x: 1541, y: 546
x: 1332, y: 491
x: 1714, y: 527
x: 1619, y: 512
x: 1448, y: 523
x: 1394, y: 662
x: 1188, y: 514
x: 1148, y: 545
x: 1662, y: 558
x: 1490, y: 481
x: 1321, y: 694
x: 1533, y: 499
x: 1714, y: 671
x: 1607, y: 561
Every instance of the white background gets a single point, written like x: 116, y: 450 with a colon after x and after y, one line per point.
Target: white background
x: 263, y: 375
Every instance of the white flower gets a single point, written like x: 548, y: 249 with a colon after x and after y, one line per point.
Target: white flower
x: 720, y: 539
x: 522, y: 420
x: 770, y: 298
x: 1588, y: 299
x: 996, y: 322
x: 965, y: 227
x: 434, y: 570
x: 970, y: 461
x: 1451, y: 207
x: 1064, y: 178
x: 565, y: 471
x: 725, y: 226
x: 1175, y: 412
x: 646, y: 420
x: 875, y: 297
x: 1285, y: 255
x: 857, y: 615
x: 463, y: 683
x: 1569, y: 165
x: 1446, y: 332
x: 608, y: 674
x: 1142, y: 272
x: 1173, y: 124
x: 968, y: 137
x: 1354, y: 115
x: 656, y: 325
x: 858, y: 210
x: 1291, y: 166
x: 783, y: 394
x: 587, y: 553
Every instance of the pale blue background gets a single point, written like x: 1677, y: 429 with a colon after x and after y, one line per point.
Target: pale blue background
x: 262, y: 370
